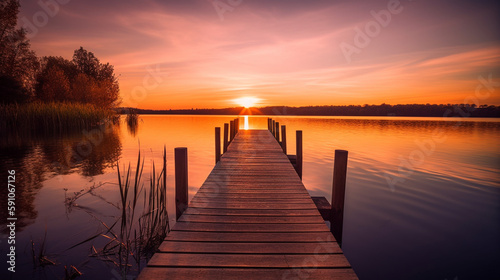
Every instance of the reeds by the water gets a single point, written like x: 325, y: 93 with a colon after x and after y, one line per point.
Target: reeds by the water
x: 132, y: 121
x: 152, y: 225
x: 52, y: 117
x: 132, y: 117
x: 133, y: 238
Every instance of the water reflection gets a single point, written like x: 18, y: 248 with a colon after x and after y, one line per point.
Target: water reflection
x: 132, y: 125
x: 40, y: 158
x: 246, y: 126
x: 449, y: 197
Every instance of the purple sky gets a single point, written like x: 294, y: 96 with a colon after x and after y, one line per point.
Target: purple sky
x: 184, y: 54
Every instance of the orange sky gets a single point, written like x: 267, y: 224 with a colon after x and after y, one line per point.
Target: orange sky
x: 188, y: 54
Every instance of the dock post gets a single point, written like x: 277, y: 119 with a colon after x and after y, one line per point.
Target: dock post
x: 273, y: 128
x: 283, y: 138
x: 231, y: 129
x: 237, y: 126
x: 298, y: 164
x: 217, y: 145
x: 338, y: 194
x: 181, y: 181
x: 268, y: 124
x: 226, y: 143
x: 277, y: 129
x: 236, y: 120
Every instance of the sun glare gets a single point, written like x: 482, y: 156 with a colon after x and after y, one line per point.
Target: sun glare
x: 247, y: 102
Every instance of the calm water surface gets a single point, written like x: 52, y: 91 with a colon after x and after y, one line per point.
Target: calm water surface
x: 422, y: 199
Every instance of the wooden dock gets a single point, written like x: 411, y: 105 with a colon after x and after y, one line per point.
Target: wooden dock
x: 251, y: 219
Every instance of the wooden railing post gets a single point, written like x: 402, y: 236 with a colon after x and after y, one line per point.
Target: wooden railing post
x: 268, y: 124
x: 237, y: 126
x: 231, y: 129
x: 298, y: 164
x: 226, y: 134
x: 181, y: 181
x: 283, y: 138
x: 277, y: 128
x: 217, y: 145
x: 273, y: 128
x: 338, y: 194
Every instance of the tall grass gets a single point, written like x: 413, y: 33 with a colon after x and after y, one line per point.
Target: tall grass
x: 52, y: 117
x: 132, y: 117
x: 152, y: 225
x: 132, y: 121
x: 140, y: 228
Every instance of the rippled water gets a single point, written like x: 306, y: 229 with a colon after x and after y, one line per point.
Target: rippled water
x: 422, y: 199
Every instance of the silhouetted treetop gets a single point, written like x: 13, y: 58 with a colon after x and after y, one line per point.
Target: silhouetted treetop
x: 17, y: 61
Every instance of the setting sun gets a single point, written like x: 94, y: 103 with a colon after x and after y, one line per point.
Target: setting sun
x: 247, y: 102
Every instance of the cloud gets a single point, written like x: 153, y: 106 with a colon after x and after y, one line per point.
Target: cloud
x: 286, y: 52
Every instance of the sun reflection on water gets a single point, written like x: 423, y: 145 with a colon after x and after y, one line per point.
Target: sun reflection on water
x: 246, y: 123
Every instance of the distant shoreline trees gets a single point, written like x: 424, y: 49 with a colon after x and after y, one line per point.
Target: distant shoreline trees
x: 400, y: 110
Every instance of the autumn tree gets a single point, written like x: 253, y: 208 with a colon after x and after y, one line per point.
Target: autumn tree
x: 56, y: 86
x: 54, y: 80
x: 101, y: 76
x: 17, y: 61
x: 84, y: 80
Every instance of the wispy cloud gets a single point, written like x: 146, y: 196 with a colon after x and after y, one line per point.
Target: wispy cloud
x: 284, y: 52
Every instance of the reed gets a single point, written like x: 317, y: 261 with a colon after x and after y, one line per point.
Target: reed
x: 132, y: 117
x: 152, y: 225
x: 52, y: 117
x: 132, y: 238
x: 41, y: 259
x: 132, y: 121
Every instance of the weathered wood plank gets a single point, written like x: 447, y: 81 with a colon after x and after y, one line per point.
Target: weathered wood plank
x: 234, y: 184
x: 203, y: 199
x: 256, y: 185
x: 251, y: 237
x: 257, y: 261
x: 245, y: 273
x: 251, y: 195
x: 252, y: 219
x: 252, y: 205
x: 271, y: 191
x: 252, y: 212
x: 224, y: 227
x: 251, y: 248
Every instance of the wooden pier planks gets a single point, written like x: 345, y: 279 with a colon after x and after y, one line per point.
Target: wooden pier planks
x: 251, y: 219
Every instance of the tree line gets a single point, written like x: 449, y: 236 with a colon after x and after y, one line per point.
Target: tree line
x: 24, y: 77
x: 400, y: 110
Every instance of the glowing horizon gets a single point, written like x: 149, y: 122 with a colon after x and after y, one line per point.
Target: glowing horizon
x: 178, y: 55
x: 247, y: 101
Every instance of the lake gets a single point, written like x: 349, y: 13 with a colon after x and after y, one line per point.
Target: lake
x: 422, y: 194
